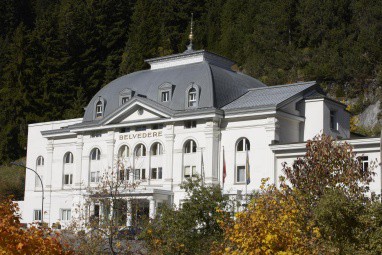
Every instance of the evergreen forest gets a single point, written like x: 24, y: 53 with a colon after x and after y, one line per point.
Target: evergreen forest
x: 56, y: 54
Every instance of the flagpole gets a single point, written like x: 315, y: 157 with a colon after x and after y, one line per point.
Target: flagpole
x: 202, y: 166
x: 223, y: 171
x: 246, y: 170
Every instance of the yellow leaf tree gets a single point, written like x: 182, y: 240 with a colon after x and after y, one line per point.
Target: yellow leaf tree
x: 273, y: 223
x: 16, y: 240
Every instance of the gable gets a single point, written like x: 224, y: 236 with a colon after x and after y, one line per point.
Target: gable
x: 136, y: 112
x: 140, y: 114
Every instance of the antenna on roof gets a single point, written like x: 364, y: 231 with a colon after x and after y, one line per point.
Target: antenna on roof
x: 191, y: 36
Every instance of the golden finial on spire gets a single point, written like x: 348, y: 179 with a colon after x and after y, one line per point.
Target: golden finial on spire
x: 191, y: 36
x: 192, y: 23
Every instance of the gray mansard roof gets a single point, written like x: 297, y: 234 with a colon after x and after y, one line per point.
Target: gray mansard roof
x: 269, y: 97
x: 220, y: 88
x: 218, y: 84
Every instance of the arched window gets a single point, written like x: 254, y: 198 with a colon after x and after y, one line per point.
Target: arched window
x: 192, y: 100
x: 140, y: 150
x: 123, y: 151
x: 190, y: 146
x: 68, y: 158
x: 95, y: 154
x: 99, y: 109
x: 243, y: 145
x: 40, y: 161
x: 68, y: 168
x: 40, y: 170
x: 156, y: 149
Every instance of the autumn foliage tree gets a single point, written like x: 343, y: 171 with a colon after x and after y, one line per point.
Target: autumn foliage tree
x: 16, y: 240
x: 192, y: 228
x: 328, y: 164
x: 334, y: 188
x: 273, y: 223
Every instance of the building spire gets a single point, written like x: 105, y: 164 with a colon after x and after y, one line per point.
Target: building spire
x: 191, y: 36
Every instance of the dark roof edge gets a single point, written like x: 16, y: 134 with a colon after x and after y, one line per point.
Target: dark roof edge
x: 285, y: 85
x: 184, y: 54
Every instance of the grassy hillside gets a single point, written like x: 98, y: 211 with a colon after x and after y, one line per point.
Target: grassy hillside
x: 12, y: 181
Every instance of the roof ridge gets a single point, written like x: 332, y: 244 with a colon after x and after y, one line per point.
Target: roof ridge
x: 284, y: 85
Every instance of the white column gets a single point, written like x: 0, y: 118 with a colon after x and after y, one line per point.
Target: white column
x: 78, y: 162
x: 47, y: 178
x: 152, y: 208
x: 47, y: 181
x: 272, y: 129
x: 211, y: 152
x: 169, y: 153
x: 110, y: 150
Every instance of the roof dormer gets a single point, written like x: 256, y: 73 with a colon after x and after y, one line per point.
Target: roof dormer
x: 125, y: 95
x: 165, y: 92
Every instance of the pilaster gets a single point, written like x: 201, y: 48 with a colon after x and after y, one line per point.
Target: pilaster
x: 78, y: 162
x: 110, y: 142
x: 169, y: 154
x: 48, y: 168
x: 272, y: 128
x: 211, y: 151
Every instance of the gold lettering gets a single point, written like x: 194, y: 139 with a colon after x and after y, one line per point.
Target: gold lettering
x: 149, y: 134
x: 160, y: 133
x: 155, y: 134
x: 139, y: 135
x: 126, y: 137
x: 144, y: 135
x: 121, y: 137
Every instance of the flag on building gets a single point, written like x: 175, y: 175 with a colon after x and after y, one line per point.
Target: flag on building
x: 224, y: 168
x: 202, y: 168
x: 247, y: 172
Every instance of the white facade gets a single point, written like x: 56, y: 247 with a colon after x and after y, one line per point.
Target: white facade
x: 165, y: 149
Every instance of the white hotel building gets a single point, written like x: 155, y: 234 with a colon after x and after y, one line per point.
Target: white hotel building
x: 161, y: 121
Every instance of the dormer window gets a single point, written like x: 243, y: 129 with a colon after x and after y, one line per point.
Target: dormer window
x: 165, y: 92
x: 125, y: 99
x: 165, y: 96
x: 99, y: 109
x: 333, y: 121
x: 192, y: 96
x: 125, y: 95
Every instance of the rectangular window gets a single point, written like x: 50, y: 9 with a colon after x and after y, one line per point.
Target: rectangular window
x: 240, y: 174
x: 37, y: 215
x: 137, y: 174
x: 94, y: 176
x: 190, y: 124
x: 125, y: 99
x: 66, y: 214
x: 189, y: 171
x: 95, y: 134
x: 122, y: 175
x: 154, y: 173
x: 140, y: 128
x: 157, y: 126
x: 143, y: 174
x: 124, y: 130
x: 160, y: 173
x: 193, y: 171
x: 165, y: 96
x: 68, y: 179
x: 364, y: 163
x: 333, y: 120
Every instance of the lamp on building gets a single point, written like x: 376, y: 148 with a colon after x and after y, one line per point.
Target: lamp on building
x: 42, y: 188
